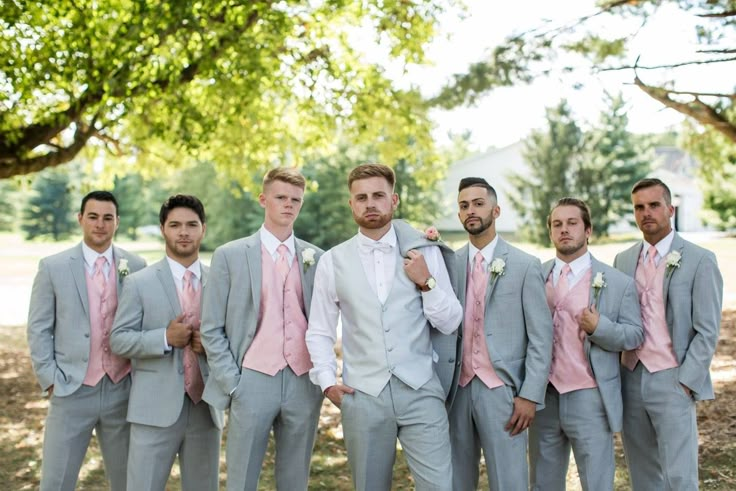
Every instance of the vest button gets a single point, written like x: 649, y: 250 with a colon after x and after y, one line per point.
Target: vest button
x: 390, y: 348
x: 86, y: 334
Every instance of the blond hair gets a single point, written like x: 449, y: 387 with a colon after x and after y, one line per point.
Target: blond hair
x: 289, y: 175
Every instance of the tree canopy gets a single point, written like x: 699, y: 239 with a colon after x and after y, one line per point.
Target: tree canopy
x: 556, y: 48
x: 242, y: 84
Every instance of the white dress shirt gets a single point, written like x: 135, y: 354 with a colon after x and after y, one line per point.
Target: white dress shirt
x: 578, y: 268
x: 271, y: 243
x: 663, y: 247
x: 440, y: 305
x: 90, y: 256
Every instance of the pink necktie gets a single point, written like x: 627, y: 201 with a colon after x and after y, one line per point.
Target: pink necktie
x: 193, y: 381
x: 562, y: 283
x: 282, y: 264
x: 651, y: 255
x: 478, y: 276
x: 99, y: 275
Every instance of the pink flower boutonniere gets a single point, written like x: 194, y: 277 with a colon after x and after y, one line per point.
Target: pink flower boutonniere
x: 432, y: 234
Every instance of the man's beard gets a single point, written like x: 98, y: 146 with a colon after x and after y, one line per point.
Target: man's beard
x: 484, y: 225
x: 374, y: 223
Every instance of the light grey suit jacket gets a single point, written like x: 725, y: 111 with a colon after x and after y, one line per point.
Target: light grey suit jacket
x: 446, y: 346
x: 518, y: 324
x: 619, y: 328
x: 693, y: 297
x: 148, y: 303
x: 58, y: 318
x: 231, y: 306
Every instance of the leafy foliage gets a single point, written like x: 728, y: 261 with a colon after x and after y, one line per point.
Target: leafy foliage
x: 245, y: 85
x: 559, y: 48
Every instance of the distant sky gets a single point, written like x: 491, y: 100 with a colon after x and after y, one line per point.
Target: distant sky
x: 507, y: 115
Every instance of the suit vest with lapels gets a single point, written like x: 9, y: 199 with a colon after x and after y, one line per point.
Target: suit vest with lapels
x: 571, y: 368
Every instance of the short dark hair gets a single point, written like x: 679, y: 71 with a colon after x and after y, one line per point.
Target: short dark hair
x: 365, y: 171
x: 99, y: 196
x: 579, y: 204
x: 651, y: 182
x: 477, y: 182
x: 181, y: 201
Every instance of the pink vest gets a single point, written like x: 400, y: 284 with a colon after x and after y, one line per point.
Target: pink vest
x: 282, y: 324
x: 570, y: 367
x: 101, y: 314
x: 476, y: 360
x: 656, y: 351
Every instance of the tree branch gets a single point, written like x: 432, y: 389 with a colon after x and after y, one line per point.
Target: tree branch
x: 660, y: 67
x: 696, y: 109
x: 726, y: 13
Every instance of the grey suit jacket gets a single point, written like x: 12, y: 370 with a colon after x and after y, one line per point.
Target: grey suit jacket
x: 693, y: 297
x: 619, y: 328
x: 58, y: 318
x: 231, y: 306
x: 148, y: 303
x: 446, y: 346
x: 518, y: 324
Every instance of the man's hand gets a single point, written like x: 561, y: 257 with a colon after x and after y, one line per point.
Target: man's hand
x: 416, y: 267
x: 588, y: 320
x: 178, y: 333
x: 524, y: 411
x: 196, y: 342
x: 336, y: 392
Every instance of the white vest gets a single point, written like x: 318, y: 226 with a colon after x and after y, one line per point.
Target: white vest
x: 380, y: 340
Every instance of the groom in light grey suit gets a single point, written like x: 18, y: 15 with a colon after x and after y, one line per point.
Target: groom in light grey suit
x: 72, y: 306
x: 255, y: 311
x: 681, y: 294
x: 157, y: 327
x: 390, y: 286
x: 595, y: 313
x: 506, y: 348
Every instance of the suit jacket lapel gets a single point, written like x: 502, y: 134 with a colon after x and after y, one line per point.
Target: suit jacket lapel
x: 306, y: 285
x: 595, y: 268
x: 165, y: 277
x: 253, y: 265
x: 501, y: 251
x: 117, y: 254
x: 77, y: 266
x: 462, y: 274
x: 677, y: 245
x: 547, y: 269
x: 630, y: 258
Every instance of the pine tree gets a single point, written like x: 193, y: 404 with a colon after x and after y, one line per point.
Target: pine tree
x: 48, y: 211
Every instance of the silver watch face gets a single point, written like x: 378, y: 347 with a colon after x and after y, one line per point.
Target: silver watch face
x: 431, y: 283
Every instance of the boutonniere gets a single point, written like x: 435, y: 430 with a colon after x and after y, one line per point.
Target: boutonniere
x: 123, y: 270
x: 673, y: 260
x: 498, y: 267
x: 308, y: 258
x: 599, y: 283
x: 432, y: 234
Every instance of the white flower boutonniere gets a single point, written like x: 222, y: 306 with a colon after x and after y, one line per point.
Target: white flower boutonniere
x: 673, y: 260
x: 599, y: 283
x: 432, y: 234
x: 123, y: 270
x: 498, y: 268
x: 308, y: 258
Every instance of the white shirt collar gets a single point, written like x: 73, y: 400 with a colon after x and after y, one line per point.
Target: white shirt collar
x: 178, y: 269
x: 577, y: 266
x: 271, y: 243
x: 388, y: 238
x: 663, y: 246
x: 487, y: 251
x: 90, y: 255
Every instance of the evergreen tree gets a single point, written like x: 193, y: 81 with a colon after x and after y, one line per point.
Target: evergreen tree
x: 139, y: 202
x: 552, y: 156
x: 7, y: 205
x: 614, y: 160
x: 48, y: 211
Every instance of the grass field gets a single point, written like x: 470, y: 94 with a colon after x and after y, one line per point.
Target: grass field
x: 23, y: 409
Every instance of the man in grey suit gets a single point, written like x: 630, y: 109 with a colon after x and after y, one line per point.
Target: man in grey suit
x: 506, y: 352
x: 256, y: 306
x: 72, y: 306
x: 157, y: 327
x: 595, y: 315
x: 681, y: 292
x: 391, y: 288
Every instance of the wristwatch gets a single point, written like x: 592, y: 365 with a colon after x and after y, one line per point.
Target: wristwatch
x: 429, y: 284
